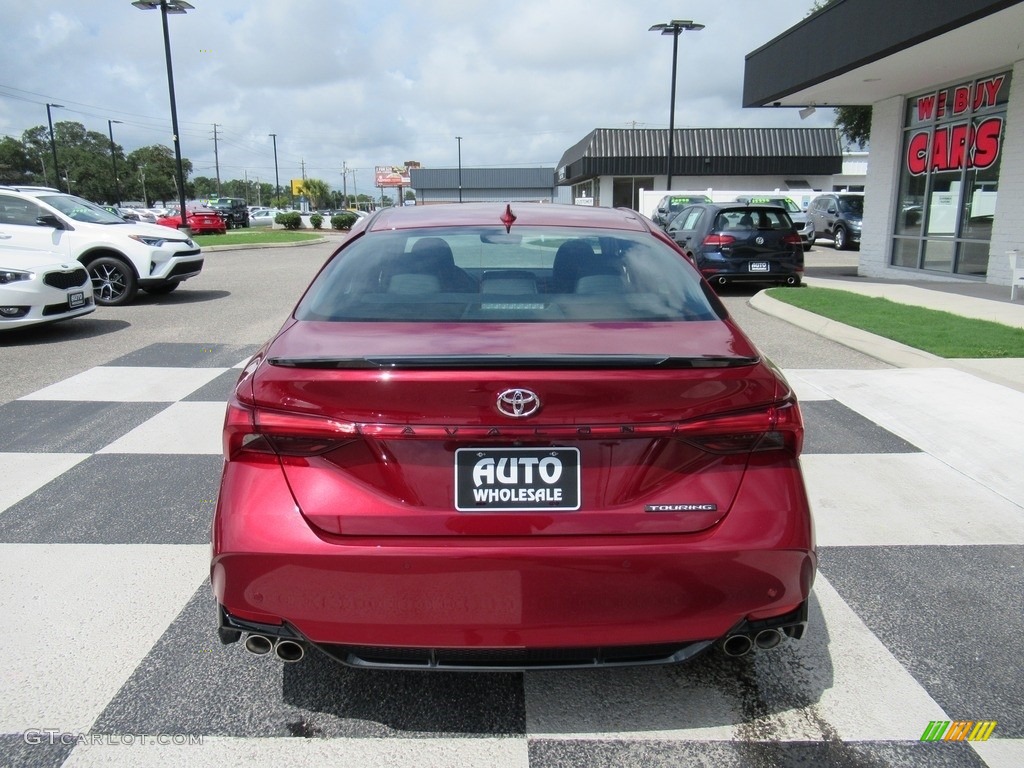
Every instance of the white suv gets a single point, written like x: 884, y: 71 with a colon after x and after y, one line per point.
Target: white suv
x: 121, y: 256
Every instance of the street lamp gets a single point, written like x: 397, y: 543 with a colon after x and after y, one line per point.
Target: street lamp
x: 459, y: 139
x: 113, y: 160
x: 673, y: 28
x: 166, y: 7
x: 53, y: 144
x: 277, y: 179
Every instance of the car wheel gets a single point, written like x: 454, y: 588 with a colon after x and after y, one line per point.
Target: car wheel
x: 160, y: 290
x: 810, y: 242
x: 113, y: 281
x: 839, y: 239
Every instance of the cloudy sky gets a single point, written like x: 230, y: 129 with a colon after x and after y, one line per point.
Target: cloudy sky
x: 361, y: 84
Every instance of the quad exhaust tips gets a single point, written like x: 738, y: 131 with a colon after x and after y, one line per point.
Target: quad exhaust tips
x: 288, y: 651
x: 741, y: 645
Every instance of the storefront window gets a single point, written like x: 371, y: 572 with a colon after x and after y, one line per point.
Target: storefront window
x: 950, y: 177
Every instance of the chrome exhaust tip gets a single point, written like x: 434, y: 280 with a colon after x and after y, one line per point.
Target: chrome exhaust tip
x: 258, y: 645
x: 791, y: 280
x: 768, y: 638
x: 289, y: 651
x: 737, y: 645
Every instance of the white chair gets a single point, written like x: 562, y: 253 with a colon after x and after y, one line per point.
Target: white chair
x: 1016, y: 272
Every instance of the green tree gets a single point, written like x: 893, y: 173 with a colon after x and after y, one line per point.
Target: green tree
x: 16, y: 165
x: 154, y: 167
x: 317, y: 191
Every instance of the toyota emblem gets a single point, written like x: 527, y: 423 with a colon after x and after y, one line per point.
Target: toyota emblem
x: 518, y: 403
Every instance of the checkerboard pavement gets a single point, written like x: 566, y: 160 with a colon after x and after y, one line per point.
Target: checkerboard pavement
x: 110, y: 655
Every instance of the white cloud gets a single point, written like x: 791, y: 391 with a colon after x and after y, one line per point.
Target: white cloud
x: 376, y: 84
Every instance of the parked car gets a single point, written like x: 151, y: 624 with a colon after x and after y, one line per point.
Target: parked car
x: 233, y: 210
x: 837, y: 216
x: 510, y: 436
x: 37, y: 286
x: 736, y: 242
x: 120, y: 256
x: 670, y: 205
x: 264, y: 218
x: 202, y: 221
x: 801, y: 220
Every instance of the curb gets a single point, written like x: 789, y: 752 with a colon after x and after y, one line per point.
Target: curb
x: 886, y: 350
x: 253, y: 246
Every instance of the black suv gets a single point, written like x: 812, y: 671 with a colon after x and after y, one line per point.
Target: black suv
x: 837, y: 215
x: 233, y: 210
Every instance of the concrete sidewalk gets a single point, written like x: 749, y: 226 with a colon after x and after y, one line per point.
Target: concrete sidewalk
x: 974, y: 300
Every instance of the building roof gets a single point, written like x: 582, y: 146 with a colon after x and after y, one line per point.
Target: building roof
x: 702, y: 152
x: 864, y: 51
x: 482, y: 178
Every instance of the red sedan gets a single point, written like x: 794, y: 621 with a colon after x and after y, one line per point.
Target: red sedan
x: 202, y: 221
x: 508, y: 437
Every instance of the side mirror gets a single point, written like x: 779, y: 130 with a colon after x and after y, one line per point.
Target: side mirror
x: 49, y: 220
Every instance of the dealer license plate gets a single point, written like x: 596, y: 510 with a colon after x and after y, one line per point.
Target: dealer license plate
x: 758, y: 266
x: 76, y: 300
x: 517, y: 479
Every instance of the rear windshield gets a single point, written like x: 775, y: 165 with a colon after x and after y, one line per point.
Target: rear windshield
x: 854, y: 205
x: 481, y: 275
x: 753, y: 218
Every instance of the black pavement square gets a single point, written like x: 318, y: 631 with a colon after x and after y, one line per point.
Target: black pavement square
x: 178, y: 355
x: 120, y: 499
x: 190, y: 683
x: 831, y: 427
x: 953, y: 616
x: 58, y: 426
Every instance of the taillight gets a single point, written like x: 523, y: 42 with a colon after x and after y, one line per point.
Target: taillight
x: 718, y: 241
x: 257, y: 430
x: 792, y: 239
x: 776, y: 427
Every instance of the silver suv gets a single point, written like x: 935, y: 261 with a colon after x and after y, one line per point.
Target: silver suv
x: 121, y: 256
x: 837, y: 215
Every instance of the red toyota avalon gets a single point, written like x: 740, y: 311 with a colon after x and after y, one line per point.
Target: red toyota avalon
x: 510, y: 437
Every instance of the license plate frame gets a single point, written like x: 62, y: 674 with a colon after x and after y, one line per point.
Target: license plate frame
x: 493, y: 479
x: 76, y: 299
x: 759, y: 266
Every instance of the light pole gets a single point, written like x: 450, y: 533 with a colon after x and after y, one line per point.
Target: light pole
x: 176, y: 7
x: 673, y: 28
x: 53, y: 144
x: 277, y: 179
x: 459, y: 139
x: 113, y: 160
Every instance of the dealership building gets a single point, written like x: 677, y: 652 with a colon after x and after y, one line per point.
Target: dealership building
x: 944, y: 193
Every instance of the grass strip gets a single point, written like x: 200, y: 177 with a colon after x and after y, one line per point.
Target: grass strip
x: 258, y: 236
x: 941, y: 333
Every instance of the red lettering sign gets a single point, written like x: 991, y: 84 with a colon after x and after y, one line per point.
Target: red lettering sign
x: 955, y: 147
x: 960, y: 99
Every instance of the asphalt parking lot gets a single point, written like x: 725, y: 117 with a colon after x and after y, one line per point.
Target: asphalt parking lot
x: 112, y: 458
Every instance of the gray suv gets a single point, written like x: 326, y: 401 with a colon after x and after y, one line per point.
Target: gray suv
x: 837, y: 216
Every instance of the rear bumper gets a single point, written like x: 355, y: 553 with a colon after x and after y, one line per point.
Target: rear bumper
x: 271, y: 568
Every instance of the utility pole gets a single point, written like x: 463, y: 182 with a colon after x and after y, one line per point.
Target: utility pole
x: 344, y: 182
x: 216, y: 158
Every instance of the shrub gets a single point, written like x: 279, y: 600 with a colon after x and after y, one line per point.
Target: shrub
x: 343, y: 220
x: 316, y: 220
x: 289, y: 220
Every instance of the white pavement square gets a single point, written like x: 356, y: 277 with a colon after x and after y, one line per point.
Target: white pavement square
x: 125, y: 384
x: 183, y: 428
x: 26, y: 473
x: 86, y: 615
